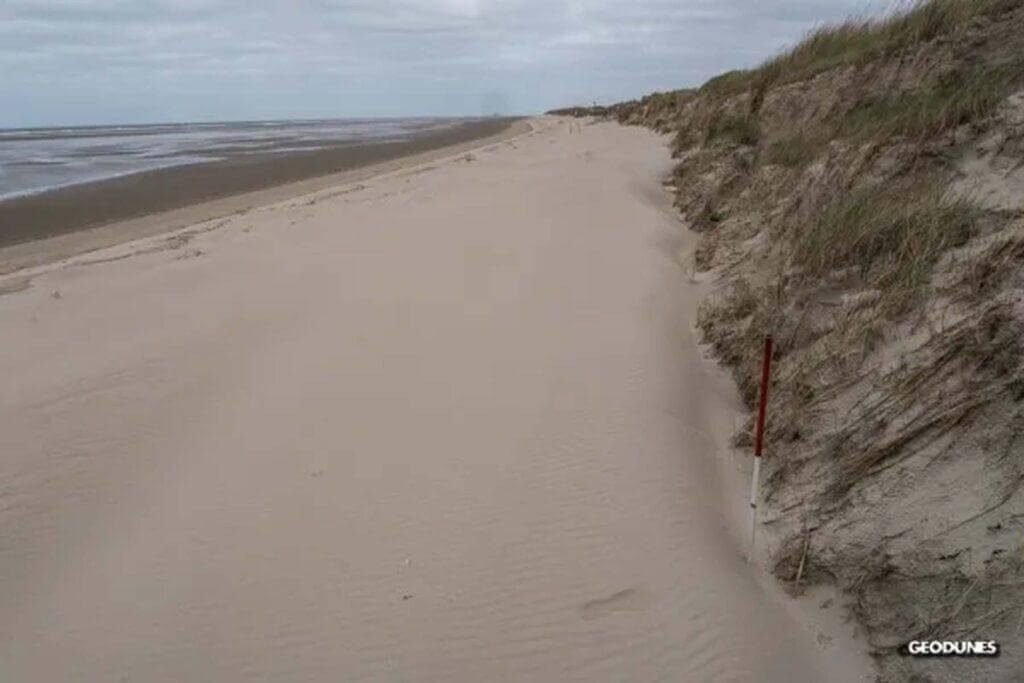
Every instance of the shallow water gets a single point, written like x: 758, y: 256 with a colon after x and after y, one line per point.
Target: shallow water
x: 38, y: 159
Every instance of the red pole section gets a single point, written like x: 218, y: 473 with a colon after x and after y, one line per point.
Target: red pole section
x: 766, y: 370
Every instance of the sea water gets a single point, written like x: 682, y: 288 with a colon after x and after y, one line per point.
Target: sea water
x: 36, y: 159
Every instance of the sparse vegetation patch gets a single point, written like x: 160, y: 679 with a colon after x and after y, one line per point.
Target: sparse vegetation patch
x: 954, y: 99
x: 794, y: 150
x: 744, y: 130
x: 891, y: 239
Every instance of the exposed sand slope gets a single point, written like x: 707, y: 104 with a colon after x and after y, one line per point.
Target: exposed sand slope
x: 448, y: 424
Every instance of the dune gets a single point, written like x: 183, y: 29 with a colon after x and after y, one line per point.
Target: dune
x: 448, y: 423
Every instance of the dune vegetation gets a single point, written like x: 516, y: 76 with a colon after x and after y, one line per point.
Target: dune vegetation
x: 860, y: 196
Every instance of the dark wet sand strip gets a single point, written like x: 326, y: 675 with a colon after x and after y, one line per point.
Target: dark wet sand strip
x: 273, y: 185
x: 78, y: 207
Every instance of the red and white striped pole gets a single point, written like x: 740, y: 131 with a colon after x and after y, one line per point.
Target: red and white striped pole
x: 766, y: 369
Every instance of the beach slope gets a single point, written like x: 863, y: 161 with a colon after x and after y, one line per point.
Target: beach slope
x: 449, y: 423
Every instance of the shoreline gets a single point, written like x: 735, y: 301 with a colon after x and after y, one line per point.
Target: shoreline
x: 65, y: 222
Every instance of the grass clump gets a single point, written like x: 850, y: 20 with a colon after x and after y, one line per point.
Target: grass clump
x: 744, y: 129
x: 892, y: 238
x: 988, y: 271
x: 729, y: 83
x: 665, y: 100
x: 857, y: 41
x: 792, y: 151
x: 929, y: 19
x: 956, y: 99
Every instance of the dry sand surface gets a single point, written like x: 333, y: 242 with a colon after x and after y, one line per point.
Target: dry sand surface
x: 446, y: 424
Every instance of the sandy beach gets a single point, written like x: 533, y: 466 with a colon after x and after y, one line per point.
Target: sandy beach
x: 448, y: 422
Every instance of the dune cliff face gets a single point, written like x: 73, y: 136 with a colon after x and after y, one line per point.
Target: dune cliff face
x: 861, y: 198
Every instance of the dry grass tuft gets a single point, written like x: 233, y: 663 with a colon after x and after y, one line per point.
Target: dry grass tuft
x: 792, y: 151
x: 987, y: 272
x: 892, y: 239
x: 957, y: 98
x: 728, y: 83
x: 973, y: 365
x: 857, y: 41
x: 744, y: 130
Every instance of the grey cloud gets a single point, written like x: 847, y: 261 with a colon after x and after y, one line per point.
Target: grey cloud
x: 93, y: 61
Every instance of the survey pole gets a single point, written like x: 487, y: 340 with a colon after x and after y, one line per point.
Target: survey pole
x: 762, y: 405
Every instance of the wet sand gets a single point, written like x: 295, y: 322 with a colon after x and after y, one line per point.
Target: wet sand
x: 86, y: 205
x: 450, y: 423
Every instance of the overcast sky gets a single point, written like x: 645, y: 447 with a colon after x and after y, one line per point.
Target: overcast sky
x: 104, y: 61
